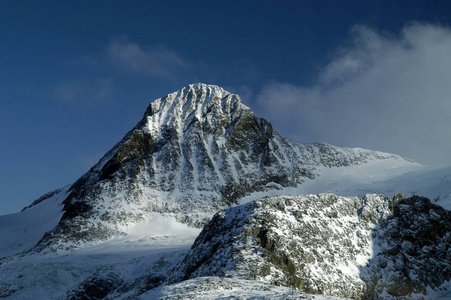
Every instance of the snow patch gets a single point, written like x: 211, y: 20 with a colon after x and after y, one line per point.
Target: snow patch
x: 156, y: 224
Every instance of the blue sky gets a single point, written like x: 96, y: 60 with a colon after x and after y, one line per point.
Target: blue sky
x: 75, y: 76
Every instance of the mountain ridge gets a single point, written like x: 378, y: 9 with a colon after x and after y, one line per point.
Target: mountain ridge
x: 196, y: 151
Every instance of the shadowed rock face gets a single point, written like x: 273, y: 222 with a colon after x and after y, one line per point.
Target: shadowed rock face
x: 370, y: 248
x: 415, y: 251
x: 195, y: 151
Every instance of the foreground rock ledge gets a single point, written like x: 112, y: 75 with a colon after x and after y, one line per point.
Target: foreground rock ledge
x: 369, y: 248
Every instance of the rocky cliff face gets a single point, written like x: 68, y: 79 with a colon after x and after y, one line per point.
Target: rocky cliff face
x: 195, y: 151
x: 370, y: 248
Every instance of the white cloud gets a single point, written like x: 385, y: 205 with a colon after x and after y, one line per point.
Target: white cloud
x: 83, y: 91
x: 383, y: 92
x: 155, y: 61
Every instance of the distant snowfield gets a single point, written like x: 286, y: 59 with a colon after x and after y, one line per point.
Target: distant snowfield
x: 385, y: 177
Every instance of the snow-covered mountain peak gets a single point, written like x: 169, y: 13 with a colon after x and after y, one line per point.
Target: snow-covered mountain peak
x: 195, y: 151
x: 209, y: 106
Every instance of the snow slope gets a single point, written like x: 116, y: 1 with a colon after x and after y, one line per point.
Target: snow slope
x: 21, y: 231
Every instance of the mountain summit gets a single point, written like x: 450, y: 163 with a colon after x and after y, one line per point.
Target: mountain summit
x: 195, y: 151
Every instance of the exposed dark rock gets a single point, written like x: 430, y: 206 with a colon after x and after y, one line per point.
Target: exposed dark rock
x: 96, y: 286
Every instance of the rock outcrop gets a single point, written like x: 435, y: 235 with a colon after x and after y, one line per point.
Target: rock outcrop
x: 370, y: 248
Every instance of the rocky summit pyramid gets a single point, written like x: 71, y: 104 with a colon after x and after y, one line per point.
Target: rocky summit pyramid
x: 195, y: 151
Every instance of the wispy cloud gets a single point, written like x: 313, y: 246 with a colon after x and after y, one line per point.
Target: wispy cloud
x: 155, y: 61
x: 384, y: 92
x: 83, y: 91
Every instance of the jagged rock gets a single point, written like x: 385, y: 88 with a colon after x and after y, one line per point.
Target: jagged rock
x: 370, y: 248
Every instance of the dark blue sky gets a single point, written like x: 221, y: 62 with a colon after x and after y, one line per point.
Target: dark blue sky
x: 75, y: 76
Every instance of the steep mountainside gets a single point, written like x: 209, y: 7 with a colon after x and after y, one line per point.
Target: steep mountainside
x: 196, y: 151
x: 372, y: 248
